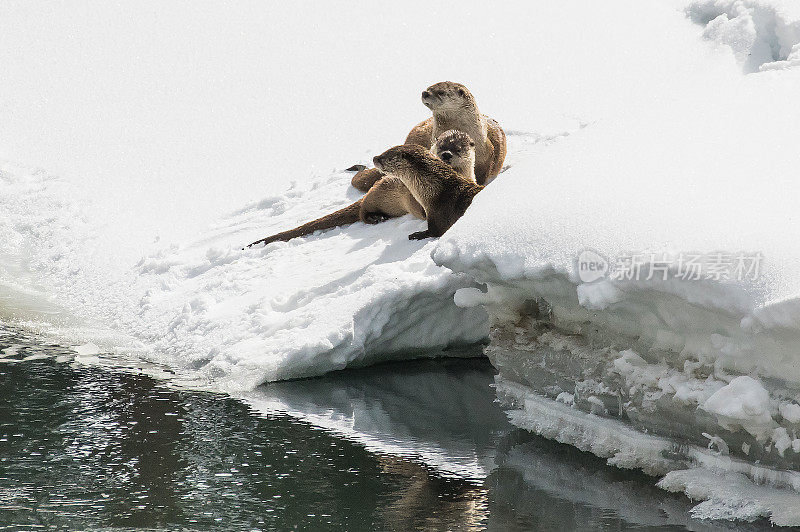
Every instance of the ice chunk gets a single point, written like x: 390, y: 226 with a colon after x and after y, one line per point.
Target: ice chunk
x: 734, y: 496
x: 742, y: 403
x: 790, y: 412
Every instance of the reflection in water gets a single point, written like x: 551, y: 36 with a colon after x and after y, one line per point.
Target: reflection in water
x: 441, y: 412
x: 395, y: 447
x: 544, y: 485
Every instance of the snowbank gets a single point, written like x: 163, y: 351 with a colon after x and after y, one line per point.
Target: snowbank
x: 234, y: 318
x: 351, y: 296
x: 157, y: 140
x: 645, y: 266
x: 690, y: 173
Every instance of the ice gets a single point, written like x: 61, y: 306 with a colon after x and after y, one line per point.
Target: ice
x: 743, y: 403
x: 729, y: 488
x: 733, y: 496
x: 535, y: 467
x: 87, y: 350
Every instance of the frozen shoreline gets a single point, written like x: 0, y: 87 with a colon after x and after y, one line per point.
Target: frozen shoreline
x: 693, y: 378
x: 672, y: 132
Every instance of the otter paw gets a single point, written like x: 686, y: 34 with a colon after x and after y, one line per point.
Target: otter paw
x: 419, y: 235
x: 375, y: 218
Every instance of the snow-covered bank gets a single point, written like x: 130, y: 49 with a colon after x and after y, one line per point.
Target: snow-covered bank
x: 351, y: 296
x: 235, y: 318
x: 642, y: 273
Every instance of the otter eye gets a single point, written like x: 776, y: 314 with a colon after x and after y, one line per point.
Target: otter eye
x: 440, y: 93
x: 472, y: 143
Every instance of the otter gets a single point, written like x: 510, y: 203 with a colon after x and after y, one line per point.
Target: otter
x: 458, y: 150
x: 440, y: 190
x: 453, y: 107
x: 389, y: 197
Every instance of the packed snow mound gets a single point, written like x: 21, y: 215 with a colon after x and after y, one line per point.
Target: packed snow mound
x: 641, y: 273
x: 764, y: 35
x: 350, y: 296
x: 684, y: 204
x: 235, y: 318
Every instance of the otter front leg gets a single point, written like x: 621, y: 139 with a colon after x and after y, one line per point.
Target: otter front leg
x: 420, y: 235
x: 432, y: 231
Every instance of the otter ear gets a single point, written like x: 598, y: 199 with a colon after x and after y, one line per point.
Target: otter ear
x: 461, y: 92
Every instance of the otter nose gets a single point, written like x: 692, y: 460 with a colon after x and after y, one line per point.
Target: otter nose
x: 376, y: 160
x: 426, y: 94
x: 446, y: 156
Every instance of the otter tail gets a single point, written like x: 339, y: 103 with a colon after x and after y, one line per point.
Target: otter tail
x: 348, y: 215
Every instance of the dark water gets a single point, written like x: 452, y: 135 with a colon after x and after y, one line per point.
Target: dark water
x: 396, y: 447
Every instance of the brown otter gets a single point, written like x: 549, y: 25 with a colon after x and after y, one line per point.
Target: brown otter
x: 389, y: 197
x: 453, y: 107
x: 440, y: 190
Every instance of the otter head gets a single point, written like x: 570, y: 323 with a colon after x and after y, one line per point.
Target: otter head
x: 407, y: 159
x: 457, y: 149
x: 447, y: 96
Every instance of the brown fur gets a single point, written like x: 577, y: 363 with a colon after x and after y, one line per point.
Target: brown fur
x: 453, y: 107
x: 389, y: 197
x: 348, y: 215
x: 440, y: 190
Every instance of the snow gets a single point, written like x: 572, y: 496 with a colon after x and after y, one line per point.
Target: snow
x: 697, y: 162
x: 352, y: 296
x: 231, y: 318
x: 733, y: 496
x: 790, y: 412
x: 744, y: 403
x: 662, y: 132
x: 762, y: 35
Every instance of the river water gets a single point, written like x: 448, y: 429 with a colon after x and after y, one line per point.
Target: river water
x: 401, y: 446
